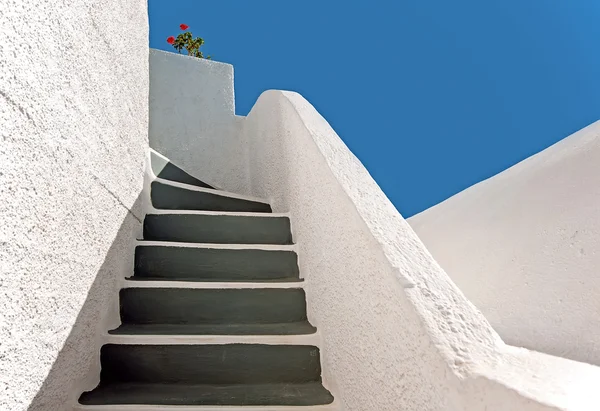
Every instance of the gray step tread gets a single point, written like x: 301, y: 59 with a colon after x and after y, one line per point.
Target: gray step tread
x: 217, y: 229
x: 210, y: 364
x: 174, y: 173
x: 170, y: 197
x: 212, y: 306
x: 219, y: 279
x: 294, y: 328
x: 304, y: 394
x: 217, y: 263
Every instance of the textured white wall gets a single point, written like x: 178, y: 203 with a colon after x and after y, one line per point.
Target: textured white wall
x: 397, y: 333
x: 192, y: 118
x: 524, y: 246
x: 73, y: 131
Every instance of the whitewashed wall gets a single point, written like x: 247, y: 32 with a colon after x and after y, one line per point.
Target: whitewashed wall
x: 397, y: 333
x: 73, y: 132
x: 524, y: 247
x: 192, y: 118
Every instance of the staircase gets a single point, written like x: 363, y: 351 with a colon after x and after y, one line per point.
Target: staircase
x: 215, y: 312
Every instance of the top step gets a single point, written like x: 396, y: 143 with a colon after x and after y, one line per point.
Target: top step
x: 173, y: 173
x: 170, y: 195
x: 163, y: 168
x: 174, y: 189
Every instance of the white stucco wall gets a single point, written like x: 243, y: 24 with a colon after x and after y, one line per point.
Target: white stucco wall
x: 73, y: 134
x: 524, y: 247
x: 397, y: 333
x: 192, y: 118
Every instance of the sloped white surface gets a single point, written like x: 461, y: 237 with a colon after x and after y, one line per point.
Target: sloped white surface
x: 524, y: 247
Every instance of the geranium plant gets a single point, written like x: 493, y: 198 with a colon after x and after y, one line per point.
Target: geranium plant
x: 186, y: 41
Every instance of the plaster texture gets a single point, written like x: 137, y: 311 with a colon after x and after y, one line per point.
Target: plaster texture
x: 397, y: 333
x: 193, y: 121
x: 73, y: 130
x: 524, y: 247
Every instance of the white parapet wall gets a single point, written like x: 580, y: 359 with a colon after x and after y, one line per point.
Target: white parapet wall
x: 73, y: 136
x: 397, y: 332
x: 524, y: 247
x: 192, y: 118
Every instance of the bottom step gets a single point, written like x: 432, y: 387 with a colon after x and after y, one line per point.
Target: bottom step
x: 304, y: 394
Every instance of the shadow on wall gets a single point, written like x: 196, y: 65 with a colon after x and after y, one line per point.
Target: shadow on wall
x: 78, y: 364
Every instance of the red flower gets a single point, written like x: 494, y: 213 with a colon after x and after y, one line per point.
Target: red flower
x: 171, y: 40
x: 183, y: 26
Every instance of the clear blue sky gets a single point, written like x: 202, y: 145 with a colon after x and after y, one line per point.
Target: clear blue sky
x: 432, y: 96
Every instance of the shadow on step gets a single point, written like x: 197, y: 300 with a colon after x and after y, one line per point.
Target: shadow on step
x: 81, y: 351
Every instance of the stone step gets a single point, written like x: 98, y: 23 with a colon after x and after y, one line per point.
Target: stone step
x: 294, y: 394
x: 221, y: 264
x: 178, y: 196
x: 221, y: 229
x: 173, y: 173
x: 210, y: 364
x: 212, y: 306
x: 291, y: 328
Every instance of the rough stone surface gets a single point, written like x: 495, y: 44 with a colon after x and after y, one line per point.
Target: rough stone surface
x: 524, y: 247
x: 73, y: 130
x: 193, y: 121
x: 392, y: 321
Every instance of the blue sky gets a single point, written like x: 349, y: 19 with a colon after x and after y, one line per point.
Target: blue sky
x: 431, y: 96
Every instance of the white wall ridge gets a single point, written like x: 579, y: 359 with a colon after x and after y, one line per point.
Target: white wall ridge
x: 296, y: 101
x: 571, y: 146
x: 402, y: 248
x: 355, y: 190
x: 444, y: 310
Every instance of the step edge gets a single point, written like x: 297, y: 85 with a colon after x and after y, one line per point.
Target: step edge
x: 211, y: 191
x: 334, y: 406
x: 312, y: 340
x: 214, y: 285
x: 159, y: 211
x: 138, y: 278
x: 267, y: 247
x: 151, y: 152
x: 133, y: 326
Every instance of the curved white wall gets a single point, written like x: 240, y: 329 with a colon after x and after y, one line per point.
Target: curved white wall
x: 73, y: 131
x: 397, y: 333
x: 524, y: 247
